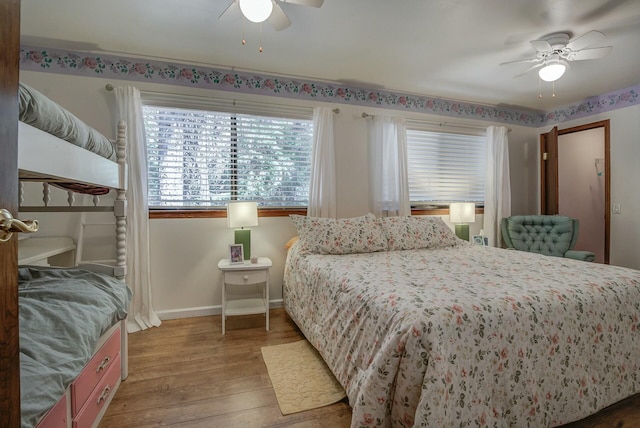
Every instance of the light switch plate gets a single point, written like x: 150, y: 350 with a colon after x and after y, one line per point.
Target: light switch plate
x: 616, y: 209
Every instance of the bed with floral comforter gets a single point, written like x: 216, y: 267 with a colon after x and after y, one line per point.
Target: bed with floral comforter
x: 456, y: 334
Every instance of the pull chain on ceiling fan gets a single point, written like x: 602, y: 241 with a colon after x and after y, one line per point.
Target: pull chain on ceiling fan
x: 260, y: 11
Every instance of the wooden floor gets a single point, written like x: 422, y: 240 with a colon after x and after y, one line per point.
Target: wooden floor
x: 186, y: 374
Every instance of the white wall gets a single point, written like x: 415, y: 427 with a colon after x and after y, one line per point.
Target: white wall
x: 185, y: 252
x: 625, y: 181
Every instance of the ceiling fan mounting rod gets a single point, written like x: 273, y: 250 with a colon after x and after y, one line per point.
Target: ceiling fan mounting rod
x: 557, y: 41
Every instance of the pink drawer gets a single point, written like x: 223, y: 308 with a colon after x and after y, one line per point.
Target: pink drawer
x: 95, y: 370
x: 98, y: 398
x: 57, y: 415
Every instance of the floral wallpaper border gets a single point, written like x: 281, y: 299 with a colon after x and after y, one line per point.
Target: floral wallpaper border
x: 594, y: 105
x: 131, y: 69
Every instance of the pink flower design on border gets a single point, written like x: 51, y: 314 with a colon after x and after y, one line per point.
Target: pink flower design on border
x: 35, y: 56
x: 90, y: 62
x: 186, y: 74
x: 139, y: 68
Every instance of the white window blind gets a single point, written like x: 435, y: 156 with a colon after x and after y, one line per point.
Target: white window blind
x: 445, y: 168
x: 200, y: 158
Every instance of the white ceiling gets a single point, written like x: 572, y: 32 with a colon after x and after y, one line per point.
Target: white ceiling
x: 439, y: 48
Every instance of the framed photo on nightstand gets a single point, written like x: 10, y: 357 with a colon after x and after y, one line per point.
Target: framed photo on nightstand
x: 236, y: 253
x: 480, y: 240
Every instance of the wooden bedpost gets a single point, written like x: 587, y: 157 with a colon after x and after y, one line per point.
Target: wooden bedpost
x: 120, y: 204
x: 120, y: 211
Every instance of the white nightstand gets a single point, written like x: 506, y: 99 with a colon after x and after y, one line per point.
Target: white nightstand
x: 241, y: 274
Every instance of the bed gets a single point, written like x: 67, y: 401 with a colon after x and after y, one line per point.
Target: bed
x: 55, y: 146
x: 423, y: 329
x: 64, y: 313
x: 73, y: 341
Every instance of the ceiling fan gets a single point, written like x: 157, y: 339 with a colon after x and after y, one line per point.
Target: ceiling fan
x: 263, y: 10
x: 556, y: 50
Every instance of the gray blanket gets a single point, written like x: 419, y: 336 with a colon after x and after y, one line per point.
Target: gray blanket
x: 40, y: 112
x: 63, y: 313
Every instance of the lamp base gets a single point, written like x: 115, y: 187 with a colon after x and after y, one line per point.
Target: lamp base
x: 243, y: 236
x: 462, y: 231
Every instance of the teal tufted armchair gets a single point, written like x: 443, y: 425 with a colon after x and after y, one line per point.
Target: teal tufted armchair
x: 552, y: 235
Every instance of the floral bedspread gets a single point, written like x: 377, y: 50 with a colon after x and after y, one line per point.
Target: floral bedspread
x: 469, y: 335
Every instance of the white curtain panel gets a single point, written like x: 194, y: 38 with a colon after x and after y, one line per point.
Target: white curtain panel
x: 497, y: 198
x: 141, y: 313
x: 388, y: 176
x: 322, y: 188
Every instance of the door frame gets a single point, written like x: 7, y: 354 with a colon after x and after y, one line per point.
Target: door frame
x: 549, y: 197
x: 9, y: 317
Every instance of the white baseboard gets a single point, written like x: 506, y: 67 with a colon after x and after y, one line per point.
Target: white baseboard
x: 203, y: 311
x: 172, y: 314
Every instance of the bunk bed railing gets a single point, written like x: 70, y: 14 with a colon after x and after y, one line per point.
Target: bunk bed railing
x: 71, y: 202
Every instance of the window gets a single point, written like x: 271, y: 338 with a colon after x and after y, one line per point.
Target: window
x: 445, y: 168
x: 202, y: 159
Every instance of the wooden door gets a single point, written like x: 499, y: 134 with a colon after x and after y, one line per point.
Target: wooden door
x: 9, y: 346
x: 549, y: 172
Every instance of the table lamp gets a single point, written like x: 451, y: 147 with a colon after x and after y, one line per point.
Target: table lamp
x: 462, y: 213
x: 240, y: 215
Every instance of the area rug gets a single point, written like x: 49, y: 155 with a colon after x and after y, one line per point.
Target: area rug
x: 301, y: 379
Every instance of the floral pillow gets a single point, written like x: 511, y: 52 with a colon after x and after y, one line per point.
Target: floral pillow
x: 410, y: 233
x: 340, y: 236
x: 446, y: 236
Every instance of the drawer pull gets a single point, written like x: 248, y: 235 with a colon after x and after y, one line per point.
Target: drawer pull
x: 246, y: 277
x: 105, y: 393
x: 104, y: 364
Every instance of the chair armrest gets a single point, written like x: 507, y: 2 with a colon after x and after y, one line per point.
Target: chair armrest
x: 586, y: 256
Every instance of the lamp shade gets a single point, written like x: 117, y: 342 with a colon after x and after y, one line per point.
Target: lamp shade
x: 553, y: 69
x: 462, y: 212
x: 552, y: 72
x: 256, y: 10
x: 242, y: 214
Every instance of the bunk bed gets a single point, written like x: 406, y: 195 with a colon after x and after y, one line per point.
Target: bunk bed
x: 424, y: 329
x: 73, y: 336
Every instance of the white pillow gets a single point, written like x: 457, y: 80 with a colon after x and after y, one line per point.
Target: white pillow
x: 340, y: 236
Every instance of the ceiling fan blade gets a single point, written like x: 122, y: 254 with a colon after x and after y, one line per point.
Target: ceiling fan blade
x: 533, y: 67
x: 312, y: 3
x: 541, y: 45
x: 278, y: 19
x: 594, y: 53
x: 228, y: 8
x: 585, y: 40
x: 520, y: 61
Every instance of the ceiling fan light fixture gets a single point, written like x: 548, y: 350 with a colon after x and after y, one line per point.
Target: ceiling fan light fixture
x: 552, y: 71
x: 256, y: 10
